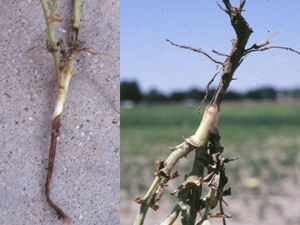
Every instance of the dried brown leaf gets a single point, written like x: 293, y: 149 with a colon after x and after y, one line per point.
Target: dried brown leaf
x: 154, y: 207
x: 160, y: 190
x: 55, y: 18
x: 174, y: 175
x: 208, y: 177
x: 159, y: 164
x: 197, y: 182
x: 215, y: 181
x: 227, y: 192
x: 172, y: 148
x: 139, y: 200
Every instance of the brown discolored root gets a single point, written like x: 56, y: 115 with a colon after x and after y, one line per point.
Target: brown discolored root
x: 54, y: 135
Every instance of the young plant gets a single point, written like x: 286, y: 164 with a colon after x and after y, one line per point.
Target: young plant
x: 205, y: 142
x: 64, y: 56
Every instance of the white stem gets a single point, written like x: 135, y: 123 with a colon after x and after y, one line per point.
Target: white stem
x: 208, y: 125
x: 62, y: 90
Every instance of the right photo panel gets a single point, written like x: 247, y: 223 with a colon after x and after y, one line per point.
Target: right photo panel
x: 210, y: 106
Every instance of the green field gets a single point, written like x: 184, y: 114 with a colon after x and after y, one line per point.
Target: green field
x: 265, y: 137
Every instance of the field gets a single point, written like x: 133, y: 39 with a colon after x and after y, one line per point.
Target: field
x: 264, y: 180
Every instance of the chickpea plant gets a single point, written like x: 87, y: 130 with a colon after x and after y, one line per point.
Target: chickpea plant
x: 64, y: 54
x: 205, y: 142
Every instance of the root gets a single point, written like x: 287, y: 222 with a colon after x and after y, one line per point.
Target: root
x: 54, y: 135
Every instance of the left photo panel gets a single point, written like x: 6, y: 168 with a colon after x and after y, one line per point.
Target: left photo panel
x: 60, y: 112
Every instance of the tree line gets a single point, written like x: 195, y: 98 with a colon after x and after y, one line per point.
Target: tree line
x: 131, y: 91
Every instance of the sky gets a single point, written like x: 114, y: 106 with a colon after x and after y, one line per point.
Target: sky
x: 146, y: 57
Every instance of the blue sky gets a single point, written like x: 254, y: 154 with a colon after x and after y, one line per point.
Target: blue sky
x: 147, y: 58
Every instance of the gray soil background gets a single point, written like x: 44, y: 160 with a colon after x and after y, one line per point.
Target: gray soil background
x: 86, y: 179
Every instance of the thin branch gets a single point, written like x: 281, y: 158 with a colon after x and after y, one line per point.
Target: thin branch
x: 270, y: 47
x: 267, y: 39
x: 242, y: 3
x: 260, y: 44
x: 38, y: 46
x: 267, y: 48
x: 207, y: 90
x: 228, y: 5
x: 209, y: 196
x: 222, y: 211
x: 222, y: 8
x: 257, y: 46
x: 99, y: 53
x: 222, y: 54
x: 196, y: 50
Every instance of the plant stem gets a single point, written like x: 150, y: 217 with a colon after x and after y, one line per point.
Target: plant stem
x: 76, y: 20
x: 172, y: 217
x: 140, y: 217
x: 185, y: 211
x: 50, y: 33
x: 210, y: 195
x: 207, y: 125
x: 196, y: 174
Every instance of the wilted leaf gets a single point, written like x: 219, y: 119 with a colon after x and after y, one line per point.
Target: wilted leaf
x: 193, y: 180
x: 54, y: 18
x: 227, y: 192
x: 177, y: 190
x: 229, y: 160
x: 215, y: 181
x: 172, y: 148
x: 226, y: 185
x: 139, y: 200
x: 154, y: 207
x: 159, y: 164
x: 174, y: 175
x: 160, y: 190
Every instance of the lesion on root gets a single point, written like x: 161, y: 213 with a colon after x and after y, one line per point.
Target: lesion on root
x: 54, y: 135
